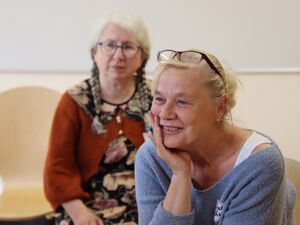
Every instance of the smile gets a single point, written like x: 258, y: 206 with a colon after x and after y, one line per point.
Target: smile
x: 167, y: 128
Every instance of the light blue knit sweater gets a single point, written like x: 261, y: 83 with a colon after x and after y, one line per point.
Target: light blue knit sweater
x: 256, y: 192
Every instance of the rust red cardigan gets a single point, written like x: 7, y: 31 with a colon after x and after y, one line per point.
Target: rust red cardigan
x: 75, y: 151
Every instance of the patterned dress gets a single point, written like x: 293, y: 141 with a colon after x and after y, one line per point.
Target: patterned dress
x: 112, y: 187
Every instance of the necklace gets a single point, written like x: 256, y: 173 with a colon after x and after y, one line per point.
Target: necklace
x: 119, y: 110
x: 118, y: 107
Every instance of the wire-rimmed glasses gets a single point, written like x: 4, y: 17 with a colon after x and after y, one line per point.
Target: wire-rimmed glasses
x: 188, y: 57
x: 109, y: 48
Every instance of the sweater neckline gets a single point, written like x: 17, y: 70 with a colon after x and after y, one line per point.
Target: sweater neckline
x: 122, y: 103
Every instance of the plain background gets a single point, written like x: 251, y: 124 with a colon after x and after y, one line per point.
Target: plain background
x: 55, y: 35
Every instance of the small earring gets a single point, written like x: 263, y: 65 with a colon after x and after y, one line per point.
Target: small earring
x: 218, y: 122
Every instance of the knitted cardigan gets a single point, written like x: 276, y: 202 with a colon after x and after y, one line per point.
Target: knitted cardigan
x: 75, y: 151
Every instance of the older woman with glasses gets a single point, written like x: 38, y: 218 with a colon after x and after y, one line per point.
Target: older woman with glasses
x: 198, y: 168
x: 97, y: 129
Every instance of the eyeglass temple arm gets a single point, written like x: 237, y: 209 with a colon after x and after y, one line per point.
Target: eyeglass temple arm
x: 211, y: 64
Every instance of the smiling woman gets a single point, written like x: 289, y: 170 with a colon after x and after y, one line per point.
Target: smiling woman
x: 200, y: 168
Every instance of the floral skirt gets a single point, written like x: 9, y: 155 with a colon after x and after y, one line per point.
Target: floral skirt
x: 112, y: 189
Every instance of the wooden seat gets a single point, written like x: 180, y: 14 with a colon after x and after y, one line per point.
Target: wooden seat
x: 293, y: 173
x: 25, y: 121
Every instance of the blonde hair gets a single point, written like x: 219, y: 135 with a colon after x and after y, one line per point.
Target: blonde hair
x: 219, y: 86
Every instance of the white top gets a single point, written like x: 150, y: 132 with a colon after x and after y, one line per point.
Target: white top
x: 252, y: 142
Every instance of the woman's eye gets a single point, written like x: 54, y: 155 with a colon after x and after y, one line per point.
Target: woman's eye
x: 181, y: 103
x: 158, y: 100
x: 111, y: 45
x: 127, y: 46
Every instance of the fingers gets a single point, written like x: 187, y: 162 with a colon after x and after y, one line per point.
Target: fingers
x: 99, y: 222
x: 89, y: 219
x: 151, y: 118
x: 150, y: 135
x: 151, y: 125
x: 158, y: 139
x: 157, y: 132
x: 95, y: 221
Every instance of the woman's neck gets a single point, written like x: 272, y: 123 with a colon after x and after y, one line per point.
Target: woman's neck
x: 212, y: 163
x: 222, y: 146
x: 117, y: 91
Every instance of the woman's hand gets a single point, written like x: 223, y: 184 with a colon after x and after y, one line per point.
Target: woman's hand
x: 178, y: 197
x: 178, y: 161
x: 80, y: 214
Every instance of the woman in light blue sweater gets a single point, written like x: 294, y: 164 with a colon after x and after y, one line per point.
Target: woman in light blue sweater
x: 197, y: 168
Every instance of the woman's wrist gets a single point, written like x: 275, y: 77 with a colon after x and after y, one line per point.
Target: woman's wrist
x: 182, y: 174
x: 178, y: 198
x: 74, y: 208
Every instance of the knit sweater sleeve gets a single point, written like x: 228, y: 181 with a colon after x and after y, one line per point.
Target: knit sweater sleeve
x: 258, y: 192
x: 152, y: 181
x: 62, y: 178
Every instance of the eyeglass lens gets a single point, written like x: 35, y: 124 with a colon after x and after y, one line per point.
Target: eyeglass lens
x: 188, y: 57
x: 184, y: 57
x: 110, y: 47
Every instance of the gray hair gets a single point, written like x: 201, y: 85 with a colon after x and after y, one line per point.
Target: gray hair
x: 129, y: 21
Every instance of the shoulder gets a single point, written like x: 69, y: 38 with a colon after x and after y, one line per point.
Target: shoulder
x: 257, y: 184
x: 266, y: 153
x: 269, y: 154
x: 81, y: 93
x: 79, y: 87
x: 66, y: 103
x: 66, y: 99
x: 77, y: 93
x: 266, y: 164
x: 67, y: 109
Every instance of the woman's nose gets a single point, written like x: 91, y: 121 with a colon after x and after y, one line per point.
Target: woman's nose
x: 119, y: 53
x: 167, y: 112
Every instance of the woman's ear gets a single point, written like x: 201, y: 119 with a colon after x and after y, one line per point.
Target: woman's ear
x: 222, y: 107
x: 93, y: 52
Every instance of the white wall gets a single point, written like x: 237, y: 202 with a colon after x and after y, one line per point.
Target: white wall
x: 56, y: 81
x: 55, y: 35
x: 267, y: 102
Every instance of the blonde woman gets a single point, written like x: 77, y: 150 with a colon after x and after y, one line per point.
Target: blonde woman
x: 199, y: 168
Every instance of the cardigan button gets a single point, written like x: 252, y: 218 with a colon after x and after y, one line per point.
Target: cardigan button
x: 118, y: 118
x: 121, y: 132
